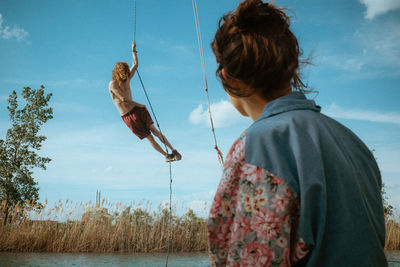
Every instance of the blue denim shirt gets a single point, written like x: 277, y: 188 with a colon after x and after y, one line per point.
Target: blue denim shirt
x: 335, y: 175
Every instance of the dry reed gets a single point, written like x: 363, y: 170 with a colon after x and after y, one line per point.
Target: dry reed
x: 393, y: 234
x: 126, y: 230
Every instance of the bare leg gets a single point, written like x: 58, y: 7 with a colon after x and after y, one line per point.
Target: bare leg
x: 160, y: 136
x: 155, y: 145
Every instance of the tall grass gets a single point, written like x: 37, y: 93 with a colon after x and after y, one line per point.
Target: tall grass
x: 127, y: 229
x: 132, y: 228
x: 393, y: 234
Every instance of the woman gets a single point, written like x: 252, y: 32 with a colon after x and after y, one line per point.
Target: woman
x: 298, y: 188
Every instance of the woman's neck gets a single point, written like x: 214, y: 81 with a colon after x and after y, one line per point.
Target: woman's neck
x: 254, y: 105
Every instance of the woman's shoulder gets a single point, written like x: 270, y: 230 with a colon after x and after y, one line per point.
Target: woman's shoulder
x: 287, y: 122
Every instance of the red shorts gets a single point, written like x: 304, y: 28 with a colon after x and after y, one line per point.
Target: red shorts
x: 139, y: 121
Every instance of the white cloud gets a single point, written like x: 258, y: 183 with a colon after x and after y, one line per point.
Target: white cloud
x: 199, y: 202
x: 102, y: 156
x: 357, y: 114
x: 381, y: 44
x: 377, y: 47
x: 223, y: 114
x: 379, y: 7
x: 372, y: 51
x: 14, y: 32
x: 347, y: 63
x: 109, y: 168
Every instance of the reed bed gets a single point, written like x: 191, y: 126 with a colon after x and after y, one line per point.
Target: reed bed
x: 393, y: 233
x: 104, y: 228
x: 114, y: 228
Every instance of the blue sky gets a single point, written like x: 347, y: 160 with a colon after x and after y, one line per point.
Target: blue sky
x: 71, y: 47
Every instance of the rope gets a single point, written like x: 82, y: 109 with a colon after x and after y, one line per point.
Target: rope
x: 170, y: 214
x: 152, y: 110
x: 170, y: 169
x: 203, y: 65
x: 166, y: 149
x: 134, y: 26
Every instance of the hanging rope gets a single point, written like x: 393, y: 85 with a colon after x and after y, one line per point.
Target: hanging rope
x: 152, y: 110
x: 134, y: 26
x: 170, y: 169
x: 166, y: 148
x: 203, y: 65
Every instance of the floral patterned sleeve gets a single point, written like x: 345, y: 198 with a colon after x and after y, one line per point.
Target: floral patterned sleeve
x: 254, y: 217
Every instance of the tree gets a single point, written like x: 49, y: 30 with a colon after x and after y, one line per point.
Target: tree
x: 18, y: 152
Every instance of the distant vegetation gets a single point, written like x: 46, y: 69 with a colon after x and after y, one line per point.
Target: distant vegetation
x: 393, y: 234
x: 126, y: 229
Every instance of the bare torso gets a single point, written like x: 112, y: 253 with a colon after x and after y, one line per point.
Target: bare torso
x: 121, y: 96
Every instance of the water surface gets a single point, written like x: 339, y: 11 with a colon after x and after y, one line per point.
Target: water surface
x: 110, y: 259
x: 8, y: 259
x: 393, y: 258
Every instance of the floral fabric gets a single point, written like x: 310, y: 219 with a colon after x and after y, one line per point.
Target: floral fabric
x: 254, y: 218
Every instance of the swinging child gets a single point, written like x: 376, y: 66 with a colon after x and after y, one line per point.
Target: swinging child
x: 135, y: 115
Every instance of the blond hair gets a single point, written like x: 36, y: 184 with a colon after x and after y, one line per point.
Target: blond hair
x: 120, y: 73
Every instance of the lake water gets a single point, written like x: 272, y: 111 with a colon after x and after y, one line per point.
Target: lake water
x: 110, y: 259
x: 138, y: 260
x: 393, y: 258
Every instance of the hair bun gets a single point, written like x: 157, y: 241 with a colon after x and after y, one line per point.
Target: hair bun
x: 251, y: 15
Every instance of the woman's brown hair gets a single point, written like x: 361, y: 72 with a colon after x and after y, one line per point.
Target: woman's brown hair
x: 255, y: 45
x: 120, y: 72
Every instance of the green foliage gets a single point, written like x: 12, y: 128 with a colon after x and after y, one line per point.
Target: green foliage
x: 387, y: 208
x: 190, y: 216
x: 18, y: 152
x: 138, y: 215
